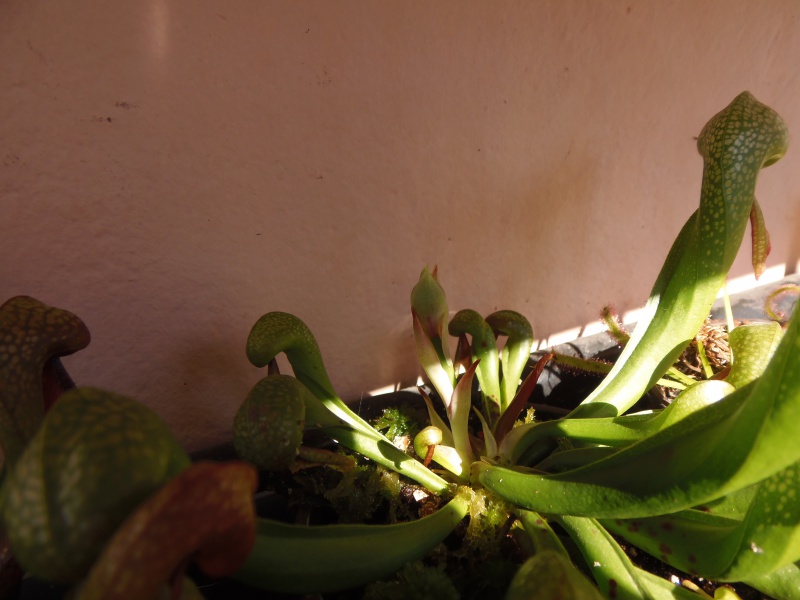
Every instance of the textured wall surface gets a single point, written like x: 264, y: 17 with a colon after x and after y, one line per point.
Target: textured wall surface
x: 172, y: 169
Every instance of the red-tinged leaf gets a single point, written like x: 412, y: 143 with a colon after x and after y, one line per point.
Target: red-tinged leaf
x: 463, y: 356
x: 772, y: 304
x: 204, y: 514
x: 429, y: 303
x: 613, y: 323
x: 760, y: 236
x: 31, y: 334
x: 55, y: 381
x: 507, y: 419
x: 431, y: 362
x: 458, y: 412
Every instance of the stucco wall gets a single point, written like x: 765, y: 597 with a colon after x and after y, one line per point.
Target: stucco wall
x: 170, y: 170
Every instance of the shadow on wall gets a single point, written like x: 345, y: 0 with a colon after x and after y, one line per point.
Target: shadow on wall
x: 403, y: 351
x: 559, y: 238
x: 793, y: 256
x: 211, y: 379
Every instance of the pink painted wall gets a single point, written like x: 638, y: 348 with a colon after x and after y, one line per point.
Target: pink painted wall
x: 172, y: 169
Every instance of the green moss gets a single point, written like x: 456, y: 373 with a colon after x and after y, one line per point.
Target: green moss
x: 357, y: 495
x: 399, y: 423
x: 529, y: 416
x: 369, y: 492
x: 487, y: 523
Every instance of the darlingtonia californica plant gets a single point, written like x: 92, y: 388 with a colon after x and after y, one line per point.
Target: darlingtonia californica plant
x: 707, y: 484
x: 98, y: 494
